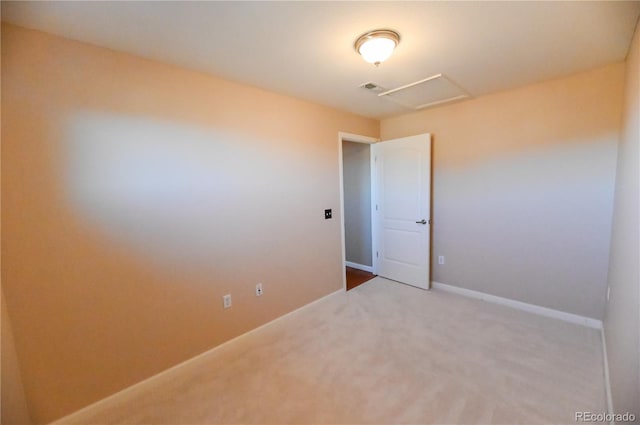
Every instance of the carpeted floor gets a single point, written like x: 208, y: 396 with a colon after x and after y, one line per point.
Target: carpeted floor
x: 381, y: 353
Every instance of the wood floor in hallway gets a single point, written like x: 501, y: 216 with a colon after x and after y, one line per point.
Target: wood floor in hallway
x: 357, y: 277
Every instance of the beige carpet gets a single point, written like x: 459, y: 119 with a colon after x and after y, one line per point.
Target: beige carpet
x: 382, y: 353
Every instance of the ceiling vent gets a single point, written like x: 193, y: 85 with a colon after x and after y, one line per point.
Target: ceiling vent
x: 373, y: 87
x: 431, y: 91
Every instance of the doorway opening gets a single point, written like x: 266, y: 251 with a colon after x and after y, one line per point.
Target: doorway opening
x: 385, y: 205
x: 356, y: 214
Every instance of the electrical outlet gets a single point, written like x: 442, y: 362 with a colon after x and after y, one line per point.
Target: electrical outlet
x: 441, y: 259
x: 226, y: 301
x: 258, y: 289
x: 327, y: 214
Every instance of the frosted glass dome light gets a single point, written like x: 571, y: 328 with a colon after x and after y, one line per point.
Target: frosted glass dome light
x: 377, y: 46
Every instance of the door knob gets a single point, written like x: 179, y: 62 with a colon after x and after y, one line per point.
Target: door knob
x: 423, y: 221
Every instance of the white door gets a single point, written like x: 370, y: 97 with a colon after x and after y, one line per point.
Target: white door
x: 402, y: 209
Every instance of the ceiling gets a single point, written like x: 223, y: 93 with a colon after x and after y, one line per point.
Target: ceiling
x: 305, y: 49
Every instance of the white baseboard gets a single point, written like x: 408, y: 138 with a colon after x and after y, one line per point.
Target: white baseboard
x: 359, y: 266
x: 607, y: 382
x: 70, y: 417
x: 531, y: 308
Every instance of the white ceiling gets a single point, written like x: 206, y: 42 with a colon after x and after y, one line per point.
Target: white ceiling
x: 305, y: 49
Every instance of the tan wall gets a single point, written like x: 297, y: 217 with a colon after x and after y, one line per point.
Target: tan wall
x: 622, y: 320
x: 523, y: 188
x: 357, y: 202
x: 14, y: 404
x: 135, y: 194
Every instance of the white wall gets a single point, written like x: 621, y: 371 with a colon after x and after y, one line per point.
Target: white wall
x: 622, y: 320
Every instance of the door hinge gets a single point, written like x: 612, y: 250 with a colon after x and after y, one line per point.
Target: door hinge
x: 376, y: 207
x: 376, y: 254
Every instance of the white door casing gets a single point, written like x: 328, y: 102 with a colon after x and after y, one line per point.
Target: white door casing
x: 401, y: 204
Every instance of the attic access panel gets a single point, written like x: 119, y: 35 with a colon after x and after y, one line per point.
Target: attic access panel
x: 427, y: 92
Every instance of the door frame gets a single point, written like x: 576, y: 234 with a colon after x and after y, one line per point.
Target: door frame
x: 357, y: 138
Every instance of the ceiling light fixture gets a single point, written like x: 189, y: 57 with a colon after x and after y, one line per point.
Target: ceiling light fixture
x: 377, y: 46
